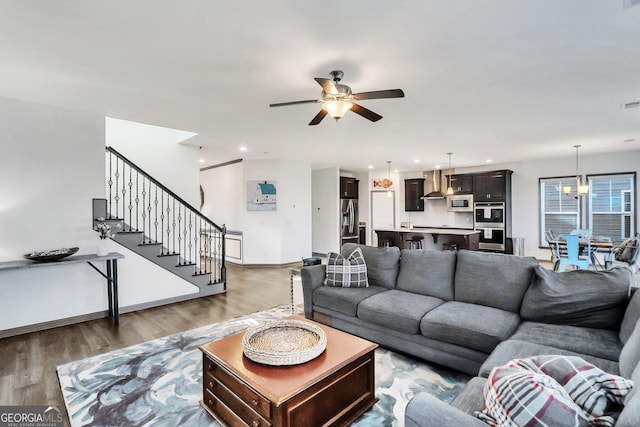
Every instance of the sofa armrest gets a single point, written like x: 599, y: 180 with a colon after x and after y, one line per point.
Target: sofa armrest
x: 424, y: 410
x: 312, y: 277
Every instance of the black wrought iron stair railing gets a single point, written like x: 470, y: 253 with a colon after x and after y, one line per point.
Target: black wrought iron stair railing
x: 147, y: 206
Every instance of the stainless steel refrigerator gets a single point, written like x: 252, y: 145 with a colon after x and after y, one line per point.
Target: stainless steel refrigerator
x: 349, y: 230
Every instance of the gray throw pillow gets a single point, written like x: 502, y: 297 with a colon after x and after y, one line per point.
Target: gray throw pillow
x: 592, y: 299
x: 382, y: 263
x: 347, y: 272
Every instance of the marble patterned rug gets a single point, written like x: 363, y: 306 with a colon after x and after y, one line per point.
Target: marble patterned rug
x: 159, y: 382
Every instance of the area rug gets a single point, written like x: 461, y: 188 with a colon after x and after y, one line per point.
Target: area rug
x: 159, y: 382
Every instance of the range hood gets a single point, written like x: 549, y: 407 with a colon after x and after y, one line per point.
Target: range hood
x: 436, y: 179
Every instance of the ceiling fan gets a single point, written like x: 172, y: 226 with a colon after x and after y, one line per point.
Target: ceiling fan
x: 337, y: 99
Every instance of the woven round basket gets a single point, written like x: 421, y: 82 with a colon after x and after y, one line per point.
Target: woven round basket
x: 284, y: 342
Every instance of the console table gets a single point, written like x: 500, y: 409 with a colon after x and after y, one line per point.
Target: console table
x: 110, y: 259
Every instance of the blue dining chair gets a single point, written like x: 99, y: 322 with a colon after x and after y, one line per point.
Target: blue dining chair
x: 572, y: 255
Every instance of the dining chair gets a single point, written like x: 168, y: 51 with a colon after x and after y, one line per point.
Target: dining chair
x: 550, y: 237
x: 572, y: 256
x: 626, y: 255
x: 585, y: 233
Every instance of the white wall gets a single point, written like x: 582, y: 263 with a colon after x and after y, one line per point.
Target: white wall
x: 224, y: 195
x: 158, y: 151
x: 325, y: 190
x: 269, y: 237
x: 51, y: 166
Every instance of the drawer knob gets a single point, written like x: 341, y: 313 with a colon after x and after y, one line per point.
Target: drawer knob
x: 255, y: 402
x: 212, y: 384
x: 211, y: 402
x: 255, y: 423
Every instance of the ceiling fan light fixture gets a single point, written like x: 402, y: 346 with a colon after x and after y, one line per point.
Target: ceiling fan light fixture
x: 337, y: 108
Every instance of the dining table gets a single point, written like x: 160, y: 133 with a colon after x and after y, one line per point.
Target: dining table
x: 595, y: 245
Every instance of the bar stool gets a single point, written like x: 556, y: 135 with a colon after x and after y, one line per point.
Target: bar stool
x: 415, y: 242
x: 450, y: 247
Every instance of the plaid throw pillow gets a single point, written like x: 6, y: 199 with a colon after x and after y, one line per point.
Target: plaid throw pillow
x: 552, y: 391
x: 349, y: 272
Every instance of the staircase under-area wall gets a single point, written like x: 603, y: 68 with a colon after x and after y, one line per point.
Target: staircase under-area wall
x: 150, y: 220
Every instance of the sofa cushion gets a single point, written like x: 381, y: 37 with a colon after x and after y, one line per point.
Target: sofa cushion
x: 469, y: 325
x: 343, y: 300
x: 425, y: 410
x: 630, y: 354
x: 517, y: 349
x: 593, y: 299
x: 631, y: 413
x: 427, y: 273
x: 631, y: 316
x: 382, y: 263
x: 553, y: 390
x: 595, y: 342
x: 397, y: 310
x: 346, y: 271
x: 494, y: 280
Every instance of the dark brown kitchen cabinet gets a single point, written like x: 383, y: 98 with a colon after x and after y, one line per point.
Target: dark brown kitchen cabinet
x: 492, y: 186
x: 348, y: 188
x: 461, y: 184
x: 413, y: 192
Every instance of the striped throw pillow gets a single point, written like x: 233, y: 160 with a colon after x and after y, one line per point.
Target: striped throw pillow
x: 552, y: 390
x: 349, y: 272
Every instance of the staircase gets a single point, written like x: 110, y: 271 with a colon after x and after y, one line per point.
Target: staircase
x: 152, y: 221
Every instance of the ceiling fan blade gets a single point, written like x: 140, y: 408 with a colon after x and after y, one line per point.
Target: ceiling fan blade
x: 328, y: 85
x: 391, y: 93
x: 282, y: 104
x: 318, y: 118
x: 367, y: 114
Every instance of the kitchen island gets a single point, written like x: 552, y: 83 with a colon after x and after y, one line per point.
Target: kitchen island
x: 433, y: 239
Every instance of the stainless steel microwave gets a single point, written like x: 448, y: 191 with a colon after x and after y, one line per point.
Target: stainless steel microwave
x: 460, y: 203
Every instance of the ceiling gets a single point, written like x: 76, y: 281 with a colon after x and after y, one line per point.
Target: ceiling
x: 495, y: 79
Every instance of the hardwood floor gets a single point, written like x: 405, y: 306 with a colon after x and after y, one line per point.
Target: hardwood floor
x: 28, y: 362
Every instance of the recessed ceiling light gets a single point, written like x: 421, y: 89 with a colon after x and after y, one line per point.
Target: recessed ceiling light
x: 243, y: 148
x: 438, y: 166
x: 396, y: 170
x: 370, y: 166
x: 489, y: 160
x: 416, y: 161
x: 201, y: 160
x: 632, y: 104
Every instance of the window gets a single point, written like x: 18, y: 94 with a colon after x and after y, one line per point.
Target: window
x: 612, y: 204
x: 559, y: 213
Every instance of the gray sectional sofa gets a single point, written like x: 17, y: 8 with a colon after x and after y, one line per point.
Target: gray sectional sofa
x: 472, y: 311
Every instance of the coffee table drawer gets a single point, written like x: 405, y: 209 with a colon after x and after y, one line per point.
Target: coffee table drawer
x: 234, y: 403
x: 231, y: 416
x: 215, y: 373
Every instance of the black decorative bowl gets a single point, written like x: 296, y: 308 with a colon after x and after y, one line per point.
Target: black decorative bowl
x: 51, y: 256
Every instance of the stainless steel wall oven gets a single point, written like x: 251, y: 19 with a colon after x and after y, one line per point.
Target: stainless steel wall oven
x: 489, y: 219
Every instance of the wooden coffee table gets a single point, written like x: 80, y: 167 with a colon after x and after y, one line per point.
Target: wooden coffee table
x: 333, y: 389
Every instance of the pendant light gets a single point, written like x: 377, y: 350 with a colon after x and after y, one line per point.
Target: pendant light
x: 449, y: 188
x: 389, y: 193
x: 582, y: 190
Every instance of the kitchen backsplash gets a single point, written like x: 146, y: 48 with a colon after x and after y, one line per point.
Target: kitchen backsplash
x: 436, y: 215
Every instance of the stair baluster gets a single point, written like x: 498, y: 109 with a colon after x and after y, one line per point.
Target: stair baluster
x: 168, y: 226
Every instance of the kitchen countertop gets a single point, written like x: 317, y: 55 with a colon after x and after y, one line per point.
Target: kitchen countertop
x: 453, y: 231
